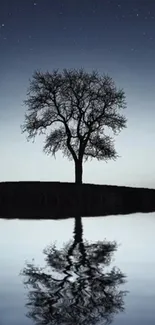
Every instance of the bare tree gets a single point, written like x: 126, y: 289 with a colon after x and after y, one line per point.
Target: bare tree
x: 75, y: 109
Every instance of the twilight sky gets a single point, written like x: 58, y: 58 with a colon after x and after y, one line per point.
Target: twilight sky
x: 114, y: 37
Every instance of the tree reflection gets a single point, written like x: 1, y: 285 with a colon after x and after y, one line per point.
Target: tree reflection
x: 76, y: 286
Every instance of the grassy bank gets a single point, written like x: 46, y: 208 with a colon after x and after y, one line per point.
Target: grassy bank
x: 59, y: 200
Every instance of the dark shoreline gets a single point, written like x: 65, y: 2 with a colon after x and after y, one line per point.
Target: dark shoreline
x: 56, y: 200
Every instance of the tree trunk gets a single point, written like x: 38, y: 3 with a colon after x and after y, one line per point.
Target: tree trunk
x: 78, y: 172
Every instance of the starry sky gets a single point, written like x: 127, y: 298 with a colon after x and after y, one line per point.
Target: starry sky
x: 114, y: 37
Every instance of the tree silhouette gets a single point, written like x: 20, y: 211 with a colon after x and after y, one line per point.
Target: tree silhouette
x: 76, y: 286
x: 75, y: 109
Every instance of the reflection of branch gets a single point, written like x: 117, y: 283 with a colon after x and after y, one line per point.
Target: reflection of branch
x: 89, y: 296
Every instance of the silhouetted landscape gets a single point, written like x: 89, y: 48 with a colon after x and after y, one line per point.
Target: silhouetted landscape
x: 77, y: 162
x: 60, y: 200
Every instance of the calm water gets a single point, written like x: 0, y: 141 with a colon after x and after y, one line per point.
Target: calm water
x: 81, y: 274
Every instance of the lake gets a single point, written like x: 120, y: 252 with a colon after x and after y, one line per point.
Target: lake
x: 105, y: 274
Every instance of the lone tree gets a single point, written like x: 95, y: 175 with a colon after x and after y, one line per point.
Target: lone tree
x: 75, y: 109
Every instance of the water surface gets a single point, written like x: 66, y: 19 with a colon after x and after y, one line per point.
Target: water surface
x: 22, y: 241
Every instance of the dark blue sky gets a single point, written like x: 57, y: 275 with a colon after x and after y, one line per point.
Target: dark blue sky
x: 123, y: 29
x: 115, y: 37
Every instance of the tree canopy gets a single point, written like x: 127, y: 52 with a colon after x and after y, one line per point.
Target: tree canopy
x: 78, y: 112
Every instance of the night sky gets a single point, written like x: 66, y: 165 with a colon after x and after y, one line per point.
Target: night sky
x: 114, y: 37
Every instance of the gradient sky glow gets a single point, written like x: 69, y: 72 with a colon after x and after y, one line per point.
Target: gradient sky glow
x: 114, y: 37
